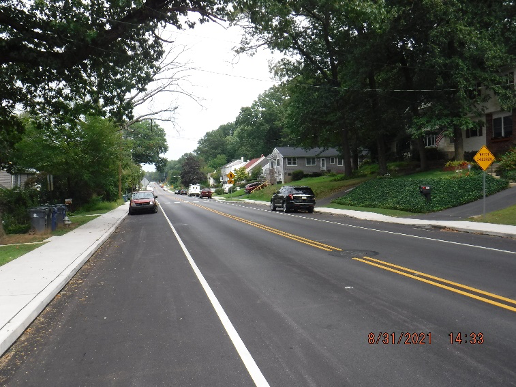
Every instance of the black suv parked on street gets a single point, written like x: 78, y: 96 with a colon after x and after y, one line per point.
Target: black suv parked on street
x: 291, y: 198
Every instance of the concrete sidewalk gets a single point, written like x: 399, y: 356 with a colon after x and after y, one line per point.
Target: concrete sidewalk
x: 30, y: 282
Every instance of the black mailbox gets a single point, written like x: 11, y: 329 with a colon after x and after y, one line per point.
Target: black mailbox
x: 426, y: 191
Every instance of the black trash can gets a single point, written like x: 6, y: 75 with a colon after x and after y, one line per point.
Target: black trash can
x: 39, y: 219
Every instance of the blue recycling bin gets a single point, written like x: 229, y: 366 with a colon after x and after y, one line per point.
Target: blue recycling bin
x: 53, y: 217
x: 60, y: 214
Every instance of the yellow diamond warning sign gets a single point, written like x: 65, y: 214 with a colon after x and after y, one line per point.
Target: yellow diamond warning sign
x: 484, y: 158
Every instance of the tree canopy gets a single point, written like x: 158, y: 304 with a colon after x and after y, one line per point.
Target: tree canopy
x: 382, y: 68
x: 74, y: 56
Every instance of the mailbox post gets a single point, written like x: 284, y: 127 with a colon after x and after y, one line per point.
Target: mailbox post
x: 426, y: 191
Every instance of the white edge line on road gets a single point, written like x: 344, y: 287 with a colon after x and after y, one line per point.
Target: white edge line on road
x: 245, y: 355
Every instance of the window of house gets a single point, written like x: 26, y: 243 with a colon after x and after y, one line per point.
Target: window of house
x: 332, y: 160
x: 310, y: 161
x: 340, y: 161
x: 430, y: 139
x: 502, y: 126
x: 475, y: 92
x: 474, y: 132
x: 291, y: 161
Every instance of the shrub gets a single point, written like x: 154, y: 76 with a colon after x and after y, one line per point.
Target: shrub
x: 457, y: 164
x: 403, y: 193
x: 507, y: 165
x: 297, y: 175
x: 14, y: 207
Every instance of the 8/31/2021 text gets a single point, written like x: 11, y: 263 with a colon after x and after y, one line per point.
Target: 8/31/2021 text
x: 400, y: 338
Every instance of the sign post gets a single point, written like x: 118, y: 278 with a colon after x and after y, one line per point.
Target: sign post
x: 484, y: 159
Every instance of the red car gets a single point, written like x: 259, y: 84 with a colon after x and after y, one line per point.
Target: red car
x: 206, y: 193
x: 143, y: 201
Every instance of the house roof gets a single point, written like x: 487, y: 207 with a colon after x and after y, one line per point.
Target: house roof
x: 254, y: 162
x: 287, y: 151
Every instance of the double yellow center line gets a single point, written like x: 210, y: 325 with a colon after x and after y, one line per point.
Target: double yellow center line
x: 276, y: 231
x: 468, y: 291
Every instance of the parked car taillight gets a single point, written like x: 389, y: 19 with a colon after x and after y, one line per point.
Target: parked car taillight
x: 291, y: 197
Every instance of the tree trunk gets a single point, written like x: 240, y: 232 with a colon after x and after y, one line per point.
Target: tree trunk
x: 423, y: 160
x: 458, y: 144
x: 382, y: 151
x: 346, y: 152
x: 2, y: 232
x: 382, y: 157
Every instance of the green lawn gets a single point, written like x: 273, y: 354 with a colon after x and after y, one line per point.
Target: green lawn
x: 322, y: 186
x: 327, y: 185
x: 11, y: 252
x: 505, y: 216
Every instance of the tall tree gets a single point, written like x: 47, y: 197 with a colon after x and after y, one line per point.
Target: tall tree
x: 71, y: 56
x: 217, y: 142
x: 191, y: 171
x: 317, y: 36
x: 148, y: 141
x: 260, y: 127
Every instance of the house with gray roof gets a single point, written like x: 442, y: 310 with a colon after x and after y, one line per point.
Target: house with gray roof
x: 285, y: 160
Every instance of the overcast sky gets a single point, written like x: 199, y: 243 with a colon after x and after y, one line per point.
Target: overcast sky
x: 222, y: 82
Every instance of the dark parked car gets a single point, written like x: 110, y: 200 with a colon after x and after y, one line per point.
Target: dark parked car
x: 183, y: 192
x: 143, y: 201
x: 251, y: 187
x: 205, y: 193
x: 291, y: 198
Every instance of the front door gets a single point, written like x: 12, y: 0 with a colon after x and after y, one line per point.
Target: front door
x: 323, y: 164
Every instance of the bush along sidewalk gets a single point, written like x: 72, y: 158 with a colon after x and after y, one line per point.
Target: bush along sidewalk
x: 403, y: 193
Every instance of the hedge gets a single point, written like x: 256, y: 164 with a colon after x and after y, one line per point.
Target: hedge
x: 403, y: 193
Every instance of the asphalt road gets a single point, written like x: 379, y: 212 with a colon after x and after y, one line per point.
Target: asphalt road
x: 214, y: 294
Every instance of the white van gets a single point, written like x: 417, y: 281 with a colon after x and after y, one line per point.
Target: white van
x: 194, y: 190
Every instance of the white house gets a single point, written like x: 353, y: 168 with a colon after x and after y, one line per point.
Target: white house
x: 231, y: 167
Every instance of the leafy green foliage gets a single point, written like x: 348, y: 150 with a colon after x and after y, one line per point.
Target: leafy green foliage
x: 65, y: 58
x: 83, y: 159
x: 14, y: 206
x: 147, y: 141
x: 507, y: 165
x: 191, y: 171
x: 403, y: 193
x: 241, y: 174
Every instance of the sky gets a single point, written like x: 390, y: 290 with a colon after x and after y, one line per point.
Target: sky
x: 221, y: 82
